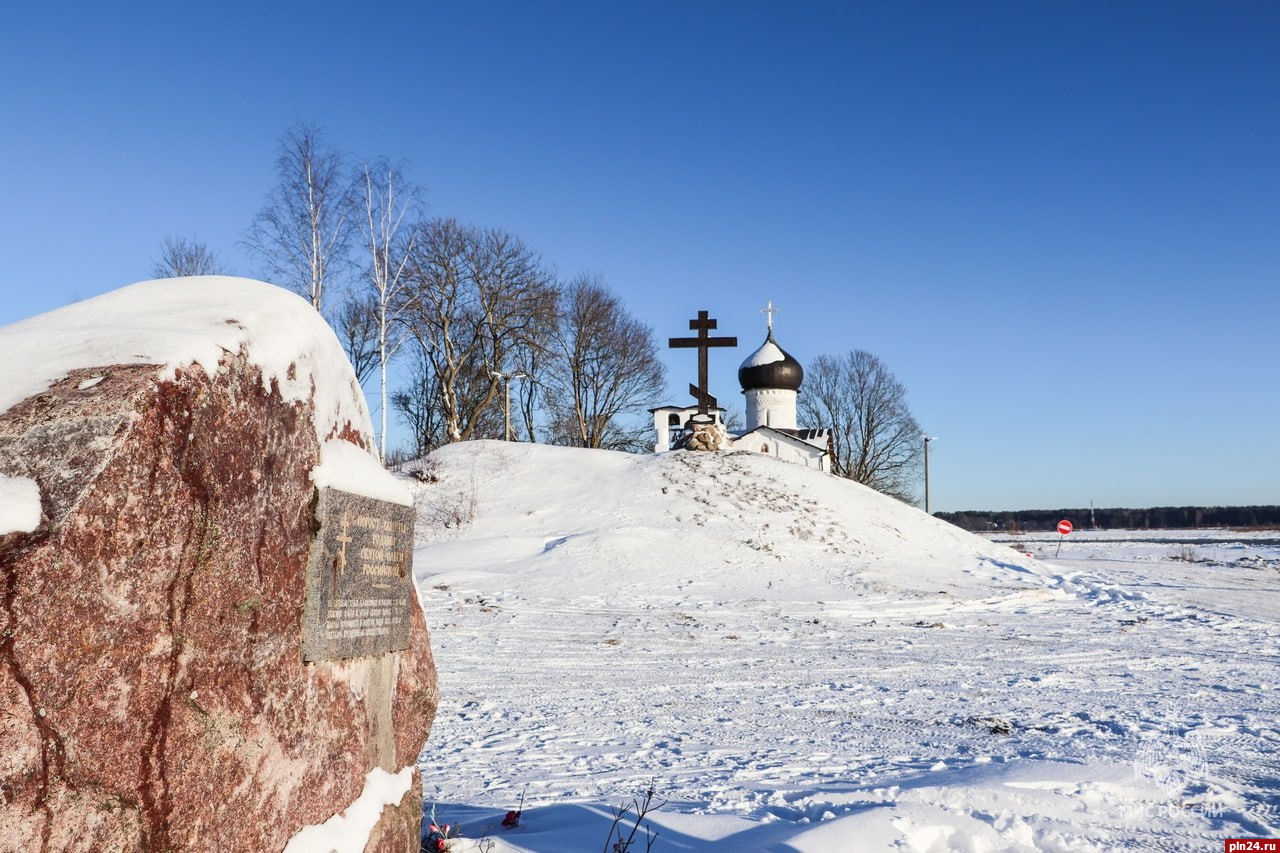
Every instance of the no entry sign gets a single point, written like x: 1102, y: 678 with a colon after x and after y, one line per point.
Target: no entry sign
x: 1064, y: 527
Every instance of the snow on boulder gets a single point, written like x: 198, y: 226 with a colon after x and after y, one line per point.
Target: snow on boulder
x: 166, y: 451
x: 19, y: 505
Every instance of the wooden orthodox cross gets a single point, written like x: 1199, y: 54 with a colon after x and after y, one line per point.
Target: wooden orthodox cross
x: 702, y: 343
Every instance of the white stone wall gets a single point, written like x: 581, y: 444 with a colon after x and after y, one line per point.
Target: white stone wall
x: 809, y: 457
x: 773, y: 407
x: 663, y: 430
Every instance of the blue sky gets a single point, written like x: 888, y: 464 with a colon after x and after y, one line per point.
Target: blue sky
x: 1058, y: 223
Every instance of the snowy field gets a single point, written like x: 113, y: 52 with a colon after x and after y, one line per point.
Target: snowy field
x: 795, y: 663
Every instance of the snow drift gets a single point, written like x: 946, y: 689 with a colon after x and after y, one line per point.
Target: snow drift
x: 798, y: 663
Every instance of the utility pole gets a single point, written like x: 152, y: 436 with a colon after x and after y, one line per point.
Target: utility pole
x: 506, y: 381
x: 927, y: 439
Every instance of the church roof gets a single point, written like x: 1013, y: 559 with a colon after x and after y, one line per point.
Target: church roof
x: 721, y: 409
x: 809, y: 435
x: 770, y: 366
x: 814, y: 438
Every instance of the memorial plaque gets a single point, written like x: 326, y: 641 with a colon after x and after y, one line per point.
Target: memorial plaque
x: 359, y: 578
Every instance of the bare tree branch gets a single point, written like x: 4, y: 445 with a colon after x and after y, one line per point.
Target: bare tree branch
x: 303, y: 232
x: 356, y: 323
x: 387, y: 202
x: 606, y: 366
x: 419, y: 407
x: 875, y: 438
x: 474, y: 299
x: 181, y: 256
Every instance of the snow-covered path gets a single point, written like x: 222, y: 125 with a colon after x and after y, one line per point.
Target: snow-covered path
x: 1107, y: 699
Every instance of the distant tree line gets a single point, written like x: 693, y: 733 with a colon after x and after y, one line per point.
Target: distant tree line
x: 1117, y: 518
x: 472, y: 314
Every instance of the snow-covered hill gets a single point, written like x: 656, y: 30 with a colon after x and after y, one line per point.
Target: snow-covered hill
x: 798, y: 663
x: 693, y: 526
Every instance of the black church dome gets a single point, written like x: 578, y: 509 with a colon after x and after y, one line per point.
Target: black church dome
x: 770, y: 366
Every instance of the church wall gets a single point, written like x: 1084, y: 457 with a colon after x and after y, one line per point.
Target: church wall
x: 774, y: 407
x: 809, y: 457
x: 788, y: 453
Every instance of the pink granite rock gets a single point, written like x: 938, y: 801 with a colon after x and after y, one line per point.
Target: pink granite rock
x: 153, y: 694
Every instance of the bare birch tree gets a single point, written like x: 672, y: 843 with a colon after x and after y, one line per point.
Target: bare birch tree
x: 875, y: 438
x: 303, y: 232
x: 181, y: 256
x: 388, y: 201
x: 607, y: 366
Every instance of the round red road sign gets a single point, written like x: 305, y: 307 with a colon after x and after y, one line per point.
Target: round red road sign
x: 1064, y: 527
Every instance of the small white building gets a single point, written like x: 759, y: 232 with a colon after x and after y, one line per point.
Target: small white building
x: 770, y: 380
x: 807, y: 447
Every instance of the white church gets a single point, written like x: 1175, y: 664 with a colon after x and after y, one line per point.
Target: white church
x: 770, y: 378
